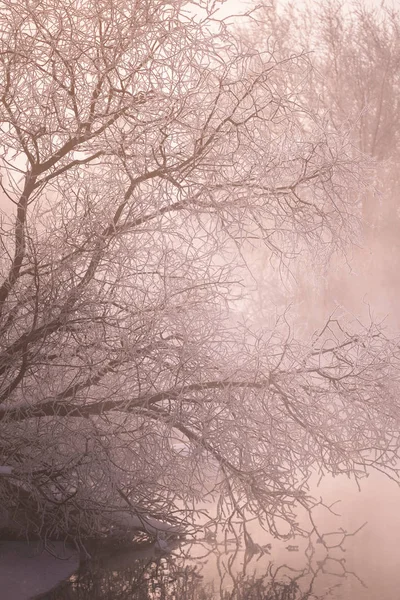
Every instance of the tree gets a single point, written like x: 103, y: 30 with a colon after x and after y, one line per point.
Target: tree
x: 354, y: 48
x: 360, y: 75
x: 142, y: 144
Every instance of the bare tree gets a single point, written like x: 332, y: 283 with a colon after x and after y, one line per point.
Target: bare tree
x: 142, y: 144
x: 359, y: 80
x: 354, y: 48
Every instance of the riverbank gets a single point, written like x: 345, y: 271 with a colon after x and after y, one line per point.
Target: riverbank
x: 28, y: 570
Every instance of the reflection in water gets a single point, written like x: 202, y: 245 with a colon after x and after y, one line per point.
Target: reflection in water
x: 210, y: 571
x: 214, y: 575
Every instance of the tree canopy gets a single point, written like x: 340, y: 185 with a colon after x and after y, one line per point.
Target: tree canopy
x: 143, y: 145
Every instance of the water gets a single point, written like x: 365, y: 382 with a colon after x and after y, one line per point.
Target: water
x: 366, y: 567
x: 208, y: 577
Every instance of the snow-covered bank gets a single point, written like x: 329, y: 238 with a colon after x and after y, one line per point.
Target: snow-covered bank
x: 27, y: 570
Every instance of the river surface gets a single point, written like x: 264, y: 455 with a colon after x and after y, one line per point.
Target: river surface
x: 366, y: 567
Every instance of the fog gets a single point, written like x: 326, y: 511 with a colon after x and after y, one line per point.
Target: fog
x: 360, y: 284
x: 200, y: 275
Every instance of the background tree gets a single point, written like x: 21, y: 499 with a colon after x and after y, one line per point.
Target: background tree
x: 360, y: 69
x: 355, y: 51
x: 142, y: 144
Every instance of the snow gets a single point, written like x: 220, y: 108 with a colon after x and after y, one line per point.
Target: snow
x: 27, y: 570
x: 144, y: 523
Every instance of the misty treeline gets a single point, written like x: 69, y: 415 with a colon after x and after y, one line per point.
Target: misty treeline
x: 145, y: 147
x: 354, y: 48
